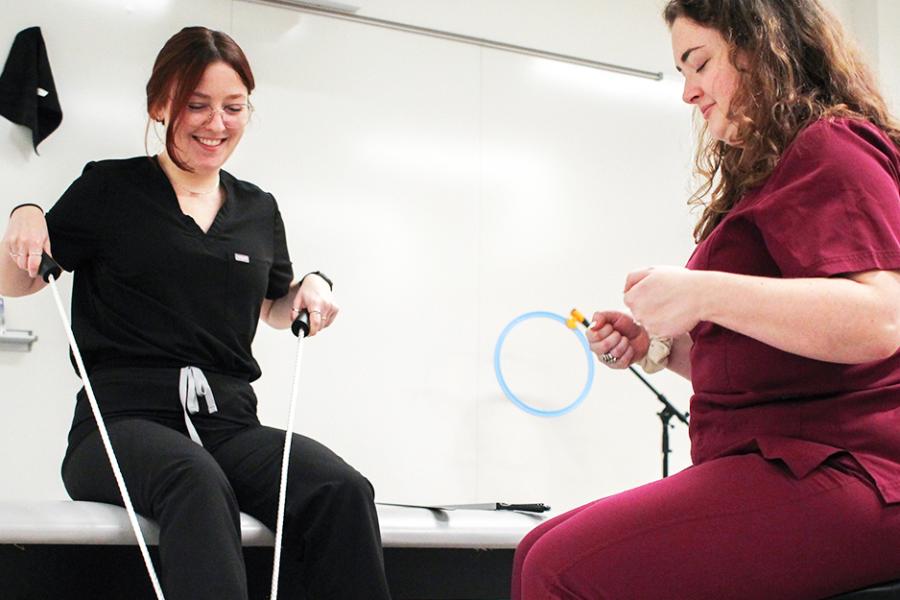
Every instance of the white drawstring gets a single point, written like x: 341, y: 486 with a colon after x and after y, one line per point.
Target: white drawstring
x: 192, y: 385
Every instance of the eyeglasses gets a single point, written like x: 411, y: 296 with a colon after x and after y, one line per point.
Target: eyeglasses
x: 233, y: 115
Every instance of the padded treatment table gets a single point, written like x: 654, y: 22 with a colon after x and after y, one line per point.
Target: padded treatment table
x: 74, y: 550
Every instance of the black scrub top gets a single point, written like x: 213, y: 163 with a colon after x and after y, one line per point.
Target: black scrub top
x: 151, y: 289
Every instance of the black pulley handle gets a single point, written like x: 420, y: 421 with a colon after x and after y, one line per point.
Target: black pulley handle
x: 48, y: 267
x: 301, y: 322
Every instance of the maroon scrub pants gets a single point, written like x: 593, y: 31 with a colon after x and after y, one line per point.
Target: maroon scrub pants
x: 738, y: 527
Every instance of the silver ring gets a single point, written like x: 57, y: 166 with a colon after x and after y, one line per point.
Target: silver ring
x: 608, y: 358
x: 15, y: 254
x: 35, y: 253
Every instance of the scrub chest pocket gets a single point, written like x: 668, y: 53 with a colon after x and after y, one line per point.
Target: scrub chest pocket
x: 247, y: 279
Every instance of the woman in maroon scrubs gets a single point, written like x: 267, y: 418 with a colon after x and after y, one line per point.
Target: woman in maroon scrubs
x: 787, y: 322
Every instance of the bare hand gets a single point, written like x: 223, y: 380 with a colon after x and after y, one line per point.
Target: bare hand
x: 316, y: 297
x: 27, y: 238
x: 618, y: 335
x: 667, y: 301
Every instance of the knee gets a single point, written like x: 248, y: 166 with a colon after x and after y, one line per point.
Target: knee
x: 526, y: 543
x: 537, y: 570
x: 353, y: 482
x: 199, y: 478
x: 344, y: 490
x: 545, y: 570
x: 349, y: 486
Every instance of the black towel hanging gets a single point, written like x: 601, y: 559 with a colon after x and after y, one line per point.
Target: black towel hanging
x: 27, y: 92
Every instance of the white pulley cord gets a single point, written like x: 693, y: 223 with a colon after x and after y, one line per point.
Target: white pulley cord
x: 288, y: 435
x: 104, y: 435
x: 49, y: 271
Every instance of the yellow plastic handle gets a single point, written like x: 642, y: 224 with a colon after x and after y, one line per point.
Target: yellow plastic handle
x: 577, y: 316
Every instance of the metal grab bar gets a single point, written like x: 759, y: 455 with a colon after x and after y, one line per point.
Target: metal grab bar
x: 344, y: 12
x: 14, y: 340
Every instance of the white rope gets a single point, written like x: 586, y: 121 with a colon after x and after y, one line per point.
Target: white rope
x: 101, y: 426
x: 282, y: 491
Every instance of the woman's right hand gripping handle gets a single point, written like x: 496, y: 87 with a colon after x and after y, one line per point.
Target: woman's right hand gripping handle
x: 618, y: 334
x: 25, y: 240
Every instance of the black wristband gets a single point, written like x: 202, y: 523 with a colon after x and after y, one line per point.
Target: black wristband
x: 15, y: 208
x: 320, y: 274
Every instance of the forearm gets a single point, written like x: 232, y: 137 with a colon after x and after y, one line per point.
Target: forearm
x: 680, y: 356
x: 837, y: 319
x: 14, y: 281
x: 277, y: 313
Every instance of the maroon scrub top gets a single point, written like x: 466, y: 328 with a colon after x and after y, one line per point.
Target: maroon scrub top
x: 830, y: 207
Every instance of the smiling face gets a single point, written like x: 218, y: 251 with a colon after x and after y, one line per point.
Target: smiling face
x: 710, y: 80
x: 213, y: 121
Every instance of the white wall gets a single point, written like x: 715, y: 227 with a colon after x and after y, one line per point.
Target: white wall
x: 888, y: 13
x: 446, y: 189
x: 873, y: 24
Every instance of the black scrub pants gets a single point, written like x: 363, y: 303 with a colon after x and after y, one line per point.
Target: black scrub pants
x: 331, y: 542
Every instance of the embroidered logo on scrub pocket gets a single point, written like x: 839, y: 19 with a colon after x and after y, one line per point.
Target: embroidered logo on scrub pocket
x: 241, y: 257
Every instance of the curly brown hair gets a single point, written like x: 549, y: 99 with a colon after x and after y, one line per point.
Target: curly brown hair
x: 796, y: 66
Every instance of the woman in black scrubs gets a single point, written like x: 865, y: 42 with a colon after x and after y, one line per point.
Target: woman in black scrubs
x: 175, y: 261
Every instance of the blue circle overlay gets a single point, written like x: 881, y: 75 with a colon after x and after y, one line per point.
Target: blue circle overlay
x: 515, y: 399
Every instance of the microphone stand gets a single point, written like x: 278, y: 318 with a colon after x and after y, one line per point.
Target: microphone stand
x: 668, y: 411
x: 665, y: 416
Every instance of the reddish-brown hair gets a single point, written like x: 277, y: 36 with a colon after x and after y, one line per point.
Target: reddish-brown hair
x: 796, y: 66
x: 178, y: 69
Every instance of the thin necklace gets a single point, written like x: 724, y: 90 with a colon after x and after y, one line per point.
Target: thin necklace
x: 187, y: 189
x: 199, y: 193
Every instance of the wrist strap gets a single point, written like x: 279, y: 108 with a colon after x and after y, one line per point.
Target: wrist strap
x: 320, y: 274
x: 657, y: 356
x: 15, y: 208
